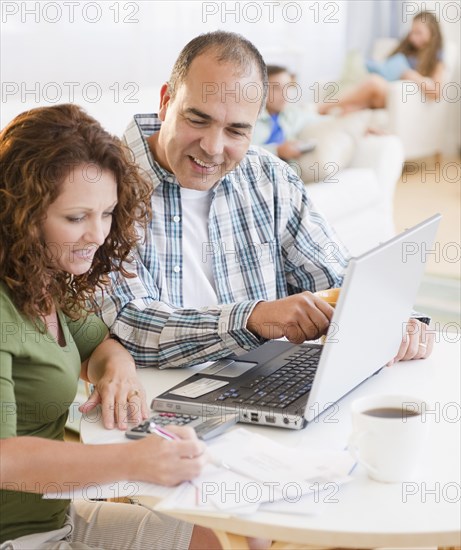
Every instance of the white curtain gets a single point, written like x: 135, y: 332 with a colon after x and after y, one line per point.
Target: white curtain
x: 368, y: 20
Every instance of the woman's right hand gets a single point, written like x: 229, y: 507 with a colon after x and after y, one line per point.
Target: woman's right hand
x: 158, y: 460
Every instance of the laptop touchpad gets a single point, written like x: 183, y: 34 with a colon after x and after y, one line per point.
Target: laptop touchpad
x: 229, y: 368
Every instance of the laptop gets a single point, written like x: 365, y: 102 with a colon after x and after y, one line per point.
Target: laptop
x: 287, y: 385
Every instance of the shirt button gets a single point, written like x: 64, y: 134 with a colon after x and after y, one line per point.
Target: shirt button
x: 176, y: 269
x: 176, y: 219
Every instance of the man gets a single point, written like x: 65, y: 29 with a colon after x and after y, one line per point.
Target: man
x: 235, y: 249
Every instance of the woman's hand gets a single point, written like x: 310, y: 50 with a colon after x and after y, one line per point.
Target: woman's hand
x: 122, y: 397
x: 169, y: 462
x: 112, y: 371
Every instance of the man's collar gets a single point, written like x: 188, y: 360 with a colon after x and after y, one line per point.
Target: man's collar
x: 140, y: 128
x: 144, y: 125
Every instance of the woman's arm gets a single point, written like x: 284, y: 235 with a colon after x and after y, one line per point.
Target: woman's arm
x: 430, y: 86
x: 71, y: 465
x: 112, y: 371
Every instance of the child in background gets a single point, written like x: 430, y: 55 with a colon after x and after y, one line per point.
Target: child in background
x: 281, y: 121
x: 417, y: 58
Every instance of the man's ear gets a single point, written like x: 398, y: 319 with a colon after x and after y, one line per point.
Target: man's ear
x: 164, y: 101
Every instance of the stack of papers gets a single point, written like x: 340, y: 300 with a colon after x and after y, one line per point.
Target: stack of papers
x: 249, y: 472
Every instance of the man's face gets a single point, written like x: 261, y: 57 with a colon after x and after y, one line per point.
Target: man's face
x: 207, y: 126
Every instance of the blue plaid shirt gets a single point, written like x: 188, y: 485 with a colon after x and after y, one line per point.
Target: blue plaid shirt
x: 266, y: 240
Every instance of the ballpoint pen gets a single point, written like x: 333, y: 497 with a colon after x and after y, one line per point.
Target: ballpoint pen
x: 154, y: 429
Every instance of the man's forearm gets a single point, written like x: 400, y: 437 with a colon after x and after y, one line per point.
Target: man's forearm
x: 164, y: 337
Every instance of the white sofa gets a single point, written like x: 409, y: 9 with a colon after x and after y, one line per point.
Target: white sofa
x: 420, y: 123
x: 359, y: 203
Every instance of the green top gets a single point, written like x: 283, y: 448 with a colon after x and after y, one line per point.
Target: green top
x: 38, y: 383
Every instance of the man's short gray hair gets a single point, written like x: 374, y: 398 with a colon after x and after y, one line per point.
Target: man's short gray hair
x: 227, y: 47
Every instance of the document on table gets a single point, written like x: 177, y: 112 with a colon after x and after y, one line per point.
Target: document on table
x: 249, y: 471
x: 259, y: 472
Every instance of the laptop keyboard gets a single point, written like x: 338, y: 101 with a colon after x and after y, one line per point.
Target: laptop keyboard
x: 280, y: 388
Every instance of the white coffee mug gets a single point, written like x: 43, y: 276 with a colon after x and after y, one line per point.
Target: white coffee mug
x: 389, y: 434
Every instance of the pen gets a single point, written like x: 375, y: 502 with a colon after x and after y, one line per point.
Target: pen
x: 154, y: 429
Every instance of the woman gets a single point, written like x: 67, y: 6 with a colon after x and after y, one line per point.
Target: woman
x: 70, y: 199
x: 419, y: 57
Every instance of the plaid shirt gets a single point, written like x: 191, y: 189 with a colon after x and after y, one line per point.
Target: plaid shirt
x: 266, y: 241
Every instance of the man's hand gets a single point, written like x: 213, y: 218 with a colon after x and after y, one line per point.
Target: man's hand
x: 417, y: 343
x: 299, y: 318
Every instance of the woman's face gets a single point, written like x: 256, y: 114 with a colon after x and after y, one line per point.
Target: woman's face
x: 79, y: 220
x: 420, y: 34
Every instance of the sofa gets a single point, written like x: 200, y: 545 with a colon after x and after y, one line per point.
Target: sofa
x: 358, y: 200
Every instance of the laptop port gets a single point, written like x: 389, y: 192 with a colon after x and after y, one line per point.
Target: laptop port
x: 286, y: 421
x: 270, y: 419
x: 254, y: 417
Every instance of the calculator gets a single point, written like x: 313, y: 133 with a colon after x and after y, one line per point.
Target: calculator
x: 205, y: 427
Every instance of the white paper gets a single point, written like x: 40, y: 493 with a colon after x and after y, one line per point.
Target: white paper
x: 259, y: 473
x: 117, y: 489
x: 187, y: 498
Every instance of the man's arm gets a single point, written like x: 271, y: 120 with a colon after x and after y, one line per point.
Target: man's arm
x: 313, y: 259
x: 160, y: 335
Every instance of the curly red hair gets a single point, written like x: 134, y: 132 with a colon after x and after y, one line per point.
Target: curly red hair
x: 38, y: 149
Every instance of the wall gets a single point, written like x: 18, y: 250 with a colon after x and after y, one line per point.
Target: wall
x: 112, y: 57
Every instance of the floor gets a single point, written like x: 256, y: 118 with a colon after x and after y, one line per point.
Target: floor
x: 425, y: 188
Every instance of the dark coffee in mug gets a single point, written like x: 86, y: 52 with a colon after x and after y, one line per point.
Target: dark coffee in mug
x: 392, y: 412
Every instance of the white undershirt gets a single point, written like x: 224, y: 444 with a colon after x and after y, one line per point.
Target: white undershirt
x: 199, y: 289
